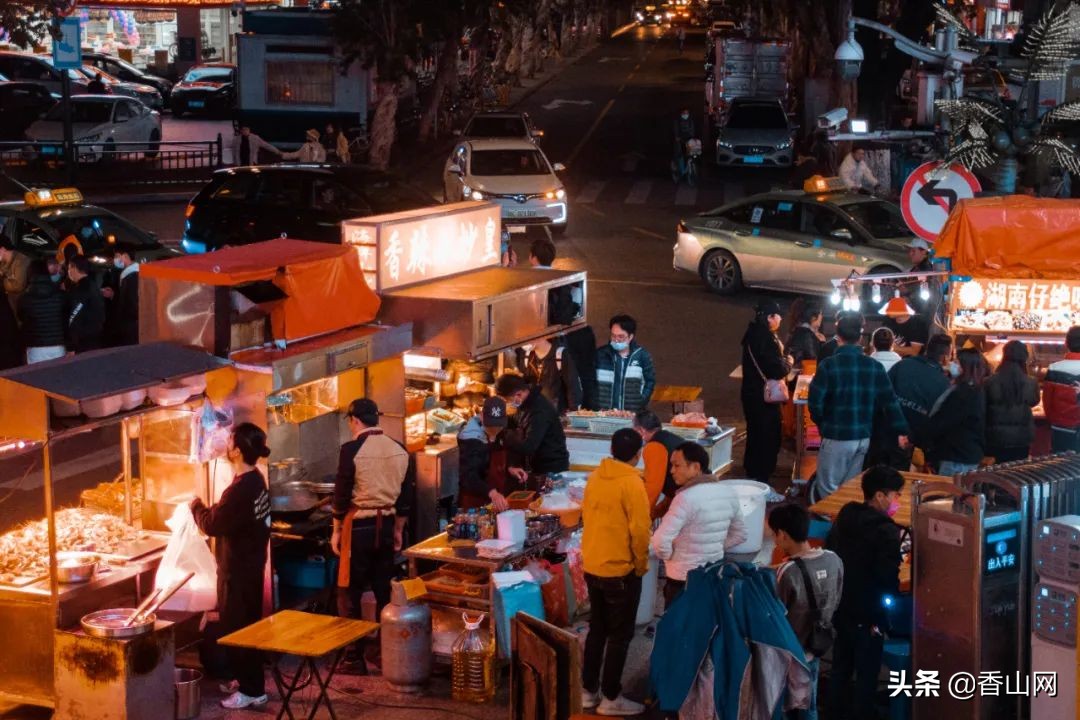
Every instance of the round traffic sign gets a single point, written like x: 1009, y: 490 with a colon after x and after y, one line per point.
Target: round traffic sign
x: 930, y: 194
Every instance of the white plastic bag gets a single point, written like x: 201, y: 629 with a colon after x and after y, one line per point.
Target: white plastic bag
x: 186, y: 552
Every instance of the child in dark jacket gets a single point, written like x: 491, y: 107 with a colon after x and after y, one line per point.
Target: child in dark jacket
x: 868, y: 543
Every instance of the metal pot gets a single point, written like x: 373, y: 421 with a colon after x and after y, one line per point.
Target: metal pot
x: 293, y: 501
x: 76, y: 567
x: 112, y: 623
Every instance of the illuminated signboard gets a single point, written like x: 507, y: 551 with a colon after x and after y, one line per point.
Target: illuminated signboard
x: 420, y: 245
x: 1017, y: 305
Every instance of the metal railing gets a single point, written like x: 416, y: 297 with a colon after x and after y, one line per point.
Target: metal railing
x: 112, y: 164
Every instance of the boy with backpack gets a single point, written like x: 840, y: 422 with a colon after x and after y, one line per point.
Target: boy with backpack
x: 809, y: 584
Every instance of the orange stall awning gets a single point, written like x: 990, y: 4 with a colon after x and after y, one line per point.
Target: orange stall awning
x: 1015, y: 236
x: 323, y: 284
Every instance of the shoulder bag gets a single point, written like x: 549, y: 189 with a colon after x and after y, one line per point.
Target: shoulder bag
x: 822, y: 634
x: 776, y: 391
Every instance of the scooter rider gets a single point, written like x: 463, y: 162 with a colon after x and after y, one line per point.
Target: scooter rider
x: 684, y: 132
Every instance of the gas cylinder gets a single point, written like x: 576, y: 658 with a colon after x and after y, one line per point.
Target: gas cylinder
x: 405, y: 635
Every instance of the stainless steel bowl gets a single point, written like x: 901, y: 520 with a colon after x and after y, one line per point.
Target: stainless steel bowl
x: 76, y: 567
x: 112, y: 623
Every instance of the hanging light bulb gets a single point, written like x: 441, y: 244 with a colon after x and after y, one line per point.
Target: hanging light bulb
x: 835, y: 299
x: 856, y: 304
x: 875, y: 294
x: 924, y: 290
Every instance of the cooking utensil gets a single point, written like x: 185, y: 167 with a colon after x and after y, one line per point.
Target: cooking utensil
x: 152, y: 609
x: 113, y: 623
x: 76, y: 567
x: 150, y: 599
x: 293, y: 501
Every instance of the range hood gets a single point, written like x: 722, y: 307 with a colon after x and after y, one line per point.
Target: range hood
x: 477, y: 314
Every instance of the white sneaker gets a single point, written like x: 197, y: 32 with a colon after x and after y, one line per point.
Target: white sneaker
x: 620, y: 706
x: 238, y: 701
x: 229, y: 687
x: 589, y: 700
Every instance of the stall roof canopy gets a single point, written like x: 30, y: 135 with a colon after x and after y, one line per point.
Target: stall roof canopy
x: 101, y: 373
x: 247, y: 263
x: 1013, y: 237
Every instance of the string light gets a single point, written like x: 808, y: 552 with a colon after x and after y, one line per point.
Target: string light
x: 924, y: 290
x: 875, y: 294
x: 835, y: 299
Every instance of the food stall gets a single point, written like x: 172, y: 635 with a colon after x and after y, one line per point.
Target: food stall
x: 295, y: 320
x: 65, y: 517
x: 1015, y: 271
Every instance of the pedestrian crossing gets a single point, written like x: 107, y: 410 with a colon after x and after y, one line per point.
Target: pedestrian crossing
x: 659, y: 191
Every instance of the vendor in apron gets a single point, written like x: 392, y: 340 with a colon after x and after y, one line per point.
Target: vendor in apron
x: 483, y: 473
x: 370, y: 509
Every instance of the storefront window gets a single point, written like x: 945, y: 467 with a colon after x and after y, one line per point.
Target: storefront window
x: 299, y: 83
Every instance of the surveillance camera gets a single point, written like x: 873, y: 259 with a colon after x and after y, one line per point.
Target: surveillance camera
x: 849, y: 58
x: 832, y: 119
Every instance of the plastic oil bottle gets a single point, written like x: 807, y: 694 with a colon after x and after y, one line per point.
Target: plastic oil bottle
x: 473, y: 669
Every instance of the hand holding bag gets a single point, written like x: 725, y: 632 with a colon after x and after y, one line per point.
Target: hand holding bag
x: 186, y: 552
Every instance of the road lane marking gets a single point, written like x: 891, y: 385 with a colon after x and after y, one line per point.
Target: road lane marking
x: 639, y: 193
x: 591, y: 191
x: 589, y: 133
x: 649, y: 233
x: 591, y: 210
x: 686, y: 195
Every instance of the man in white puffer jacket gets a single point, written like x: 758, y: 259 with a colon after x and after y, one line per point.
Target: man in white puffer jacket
x: 704, y: 520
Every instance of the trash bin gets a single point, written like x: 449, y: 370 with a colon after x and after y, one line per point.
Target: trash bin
x: 188, y: 693
x: 647, y: 605
x: 752, y: 498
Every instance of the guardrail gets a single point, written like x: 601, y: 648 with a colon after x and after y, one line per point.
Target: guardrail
x: 112, y: 164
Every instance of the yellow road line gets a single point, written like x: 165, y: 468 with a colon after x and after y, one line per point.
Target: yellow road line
x: 589, y: 133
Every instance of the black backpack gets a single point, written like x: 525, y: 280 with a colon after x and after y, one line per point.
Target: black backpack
x: 823, y: 634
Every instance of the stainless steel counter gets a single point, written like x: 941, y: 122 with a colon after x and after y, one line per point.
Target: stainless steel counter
x: 587, y: 448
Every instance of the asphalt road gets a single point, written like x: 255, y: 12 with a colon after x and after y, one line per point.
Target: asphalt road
x: 609, y: 118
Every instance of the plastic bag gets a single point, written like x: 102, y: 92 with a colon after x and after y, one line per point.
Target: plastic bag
x: 514, y: 592
x: 186, y: 552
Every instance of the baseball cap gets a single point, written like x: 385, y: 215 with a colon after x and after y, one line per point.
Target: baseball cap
x: 494, y: 413
x: 919, y: 244
x: 363, y: 407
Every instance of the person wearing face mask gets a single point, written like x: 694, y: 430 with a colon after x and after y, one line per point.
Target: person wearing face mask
x: 958, y: 418
x: 684, y: 132
x: 85, y: 308
x: 41, y: 315
x: 849, y: 393
x: 625, y: 376
x: 763, y: 358
x: 124, y: 315
x: 536, y: 434
x: 240, y: 522
x: 868, y: 543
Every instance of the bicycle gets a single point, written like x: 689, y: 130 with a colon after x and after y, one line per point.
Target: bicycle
x: 690, y: 161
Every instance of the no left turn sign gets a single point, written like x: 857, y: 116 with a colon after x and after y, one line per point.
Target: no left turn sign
x: 929, y: 197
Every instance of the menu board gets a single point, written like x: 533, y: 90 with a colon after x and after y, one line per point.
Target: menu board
x: 1021, y: 305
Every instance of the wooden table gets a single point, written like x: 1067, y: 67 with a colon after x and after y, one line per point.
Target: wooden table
x: 676, y: 395
x: 307, y: 636
x: 851, y: 491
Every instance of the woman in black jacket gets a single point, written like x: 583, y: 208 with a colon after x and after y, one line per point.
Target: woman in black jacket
x: 762, y: 358
x: 805, y: 340
x: 41, y: 315
x: 1010, y: 395
x: 240, y: 521
x: 958, y: 422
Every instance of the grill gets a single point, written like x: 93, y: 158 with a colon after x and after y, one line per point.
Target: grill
x: 519, y: 197
x: 753, y: 149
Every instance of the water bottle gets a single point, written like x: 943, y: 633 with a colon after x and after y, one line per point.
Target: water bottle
x: 473, y: 663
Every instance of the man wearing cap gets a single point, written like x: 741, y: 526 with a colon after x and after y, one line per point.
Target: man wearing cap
x: 918, y: 251
x: 483, y: 475
x: 124, y: 314
x: 85, y: 308
x: 311, y: 151
x: 371, y: 505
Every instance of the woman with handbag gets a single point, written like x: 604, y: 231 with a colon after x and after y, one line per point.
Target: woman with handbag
x: 764, y: 369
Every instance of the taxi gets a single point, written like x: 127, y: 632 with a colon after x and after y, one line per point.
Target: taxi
x: 794, y: 241
x: 48, y: 221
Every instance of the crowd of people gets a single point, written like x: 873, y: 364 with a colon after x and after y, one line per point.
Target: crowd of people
x: 55, y: 307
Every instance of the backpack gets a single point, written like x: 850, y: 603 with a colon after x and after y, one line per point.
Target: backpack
x: 822, y: 634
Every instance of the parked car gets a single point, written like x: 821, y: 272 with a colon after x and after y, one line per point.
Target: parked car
x: 21, y: 103
x: 307, y: 202
x: 104, y: 125
x: 125, y: 71
x: 205, y: 89
x: 513, y: 173
x: 39, y: 69
x: 791, y: 240
x: 755, y: 131
x: 47, y: 220
x: 500, y: 125
x: 146, y: 94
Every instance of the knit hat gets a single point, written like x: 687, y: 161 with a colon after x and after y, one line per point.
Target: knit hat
x: 494, y: 413
x: 765, y: 308
x: 313, y: 135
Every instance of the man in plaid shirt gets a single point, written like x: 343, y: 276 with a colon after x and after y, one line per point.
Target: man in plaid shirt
x: 850, y: 392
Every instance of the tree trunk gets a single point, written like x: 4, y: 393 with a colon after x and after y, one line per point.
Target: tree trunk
x: 502, y: 53
x: 384, y: 125
x: 445, y: 76
x: 514, y: 58
x: 528, y: 51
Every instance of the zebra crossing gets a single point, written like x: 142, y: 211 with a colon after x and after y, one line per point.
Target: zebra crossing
x: 653, y: 192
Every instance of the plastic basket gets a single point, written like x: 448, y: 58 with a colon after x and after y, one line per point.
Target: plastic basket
x: 578, y: 421
x: 608, y: 425
x: 686, y: 433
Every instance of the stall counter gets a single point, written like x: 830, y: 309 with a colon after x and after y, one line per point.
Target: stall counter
x: 587, y: 448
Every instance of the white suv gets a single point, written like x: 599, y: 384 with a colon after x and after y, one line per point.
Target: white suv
x: 513, y: 173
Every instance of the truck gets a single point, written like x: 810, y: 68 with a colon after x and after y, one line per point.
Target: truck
x: 290, y: 77
x: 740, y: 67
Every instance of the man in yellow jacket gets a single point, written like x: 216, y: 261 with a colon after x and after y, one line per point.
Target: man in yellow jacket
x: 615, y: 556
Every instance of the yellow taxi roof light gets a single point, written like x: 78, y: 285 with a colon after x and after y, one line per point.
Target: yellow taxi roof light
x: 820, y: 184
x: 44, y: 197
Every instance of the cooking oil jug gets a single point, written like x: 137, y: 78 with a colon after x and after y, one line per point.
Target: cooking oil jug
x: 473, y: 672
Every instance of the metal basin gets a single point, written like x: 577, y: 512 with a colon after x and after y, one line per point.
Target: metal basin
x: 76, y: 567
x: 112, y: 623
